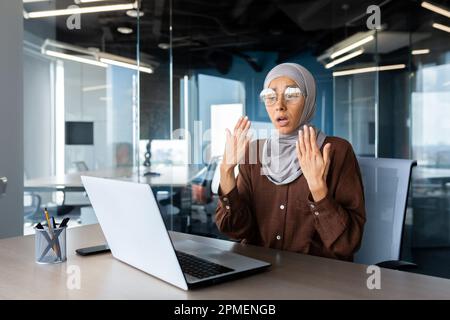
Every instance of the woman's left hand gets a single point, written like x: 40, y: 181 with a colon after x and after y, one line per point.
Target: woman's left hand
x: 314, y: 165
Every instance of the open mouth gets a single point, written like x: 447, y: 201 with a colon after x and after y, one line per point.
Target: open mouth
x: 282, y: 121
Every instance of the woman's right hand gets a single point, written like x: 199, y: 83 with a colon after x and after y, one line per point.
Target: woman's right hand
x: 236, y: 144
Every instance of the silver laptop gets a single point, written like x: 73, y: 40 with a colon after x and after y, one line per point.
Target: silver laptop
x: 136, y: 234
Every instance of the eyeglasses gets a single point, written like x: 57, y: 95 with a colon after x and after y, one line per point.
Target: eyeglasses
x: 291, y: 95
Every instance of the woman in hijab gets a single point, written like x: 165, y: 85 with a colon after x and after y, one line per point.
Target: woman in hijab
x: 304, y: 191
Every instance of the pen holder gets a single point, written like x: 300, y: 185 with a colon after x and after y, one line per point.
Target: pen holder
x: 50, y: 247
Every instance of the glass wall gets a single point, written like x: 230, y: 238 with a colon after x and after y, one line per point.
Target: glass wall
x: 81, y: 101
x: 354, y: 111
x: 382, y: 76
x: 382, y: 83
x: 400, y: 110
x: 221, y: 55
x: 429, y: 99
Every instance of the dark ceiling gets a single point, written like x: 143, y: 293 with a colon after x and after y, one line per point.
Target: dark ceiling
x: 209, y: 33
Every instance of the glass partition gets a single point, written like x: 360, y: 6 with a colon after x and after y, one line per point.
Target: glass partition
x: 406, y: 101
x: 354, y: 111
x: 81, y: 101
x: 428, y: 95
x: 382, y: 83
x: 381, y: 71
x: 220, y: 61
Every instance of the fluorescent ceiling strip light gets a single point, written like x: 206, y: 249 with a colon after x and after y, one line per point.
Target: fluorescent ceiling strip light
x: 368, y: 69
x: 89, y: 1
x: 436, y: 9
x: 344, y: 58
x: 74, y: 58
x: 420, y: 51
x: 65, y: 12
x: 95, y: 88
x: 441, y: 27
x: 352, y: 46
x: 31, y: 1
x: 126, y: 65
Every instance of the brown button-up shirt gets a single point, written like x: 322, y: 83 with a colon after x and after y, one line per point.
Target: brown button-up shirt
x: 286, y: 217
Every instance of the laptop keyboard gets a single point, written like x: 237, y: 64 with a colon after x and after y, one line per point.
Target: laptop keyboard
x: 199, y: 268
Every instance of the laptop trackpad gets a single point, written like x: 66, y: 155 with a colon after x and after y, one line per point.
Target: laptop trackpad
x: 225, y: 258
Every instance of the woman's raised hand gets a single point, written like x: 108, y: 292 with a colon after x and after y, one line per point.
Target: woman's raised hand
x: 236, y: 144
x: 314, y: 165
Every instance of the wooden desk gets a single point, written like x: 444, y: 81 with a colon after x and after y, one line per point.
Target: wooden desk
x: 292, y: 276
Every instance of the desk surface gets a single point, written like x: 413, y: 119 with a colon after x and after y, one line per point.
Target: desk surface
x: 177, y: 176
x: 292, y: 276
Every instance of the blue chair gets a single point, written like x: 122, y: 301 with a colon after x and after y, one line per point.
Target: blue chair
x: 386, y: 185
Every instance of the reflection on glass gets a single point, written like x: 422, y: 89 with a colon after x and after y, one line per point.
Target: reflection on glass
x: 430, y: 104
x: 79, y: 109
x: 354, y: 111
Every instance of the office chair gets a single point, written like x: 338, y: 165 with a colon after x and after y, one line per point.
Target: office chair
x: 75, y: 200
x: 81, y: 166
x: 202, y: 196
x: 204, y: 193
x: 386, y: 185
x: 32, y: 207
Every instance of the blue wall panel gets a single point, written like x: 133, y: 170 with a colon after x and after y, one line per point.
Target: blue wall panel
x: 253, y: 82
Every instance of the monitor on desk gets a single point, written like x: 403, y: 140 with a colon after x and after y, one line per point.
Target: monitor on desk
x: 79, y: 133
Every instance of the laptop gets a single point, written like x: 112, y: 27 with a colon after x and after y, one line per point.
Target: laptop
x: 136, y: 234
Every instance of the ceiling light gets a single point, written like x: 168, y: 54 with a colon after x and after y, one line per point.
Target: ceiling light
x: 436, y: 9
x: 163, y: 46
x: 70, y: 11
x: 441, y: 27
x: 127, y: 65
x: 71, y: 57
x: 95, y: 88
x: 102, y: 59
x: 134, y: 13
x: 420, y: 51
x: 368, y: 69
x: 88, y: 1
x: 352, y: 46
x: 125, y: 30
x: 344, y: 58
x: 31, y: 1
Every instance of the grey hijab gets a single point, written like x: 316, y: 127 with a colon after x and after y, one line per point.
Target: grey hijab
x: 279, y: 155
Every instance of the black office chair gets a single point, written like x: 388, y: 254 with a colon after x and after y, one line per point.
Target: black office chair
x: 204, y: 201
x: 32, y: 207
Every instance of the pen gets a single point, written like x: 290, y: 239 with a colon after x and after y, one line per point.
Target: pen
x: 64, y: 222
x: 50, y: 229
x: 54, y: 223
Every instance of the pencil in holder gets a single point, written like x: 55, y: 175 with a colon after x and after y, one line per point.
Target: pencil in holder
x: 50, y: 245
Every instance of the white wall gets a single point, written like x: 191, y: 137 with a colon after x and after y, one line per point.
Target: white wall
x: 11, y: 117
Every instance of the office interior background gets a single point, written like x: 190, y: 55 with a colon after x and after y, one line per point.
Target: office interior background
x: 105, y: 93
